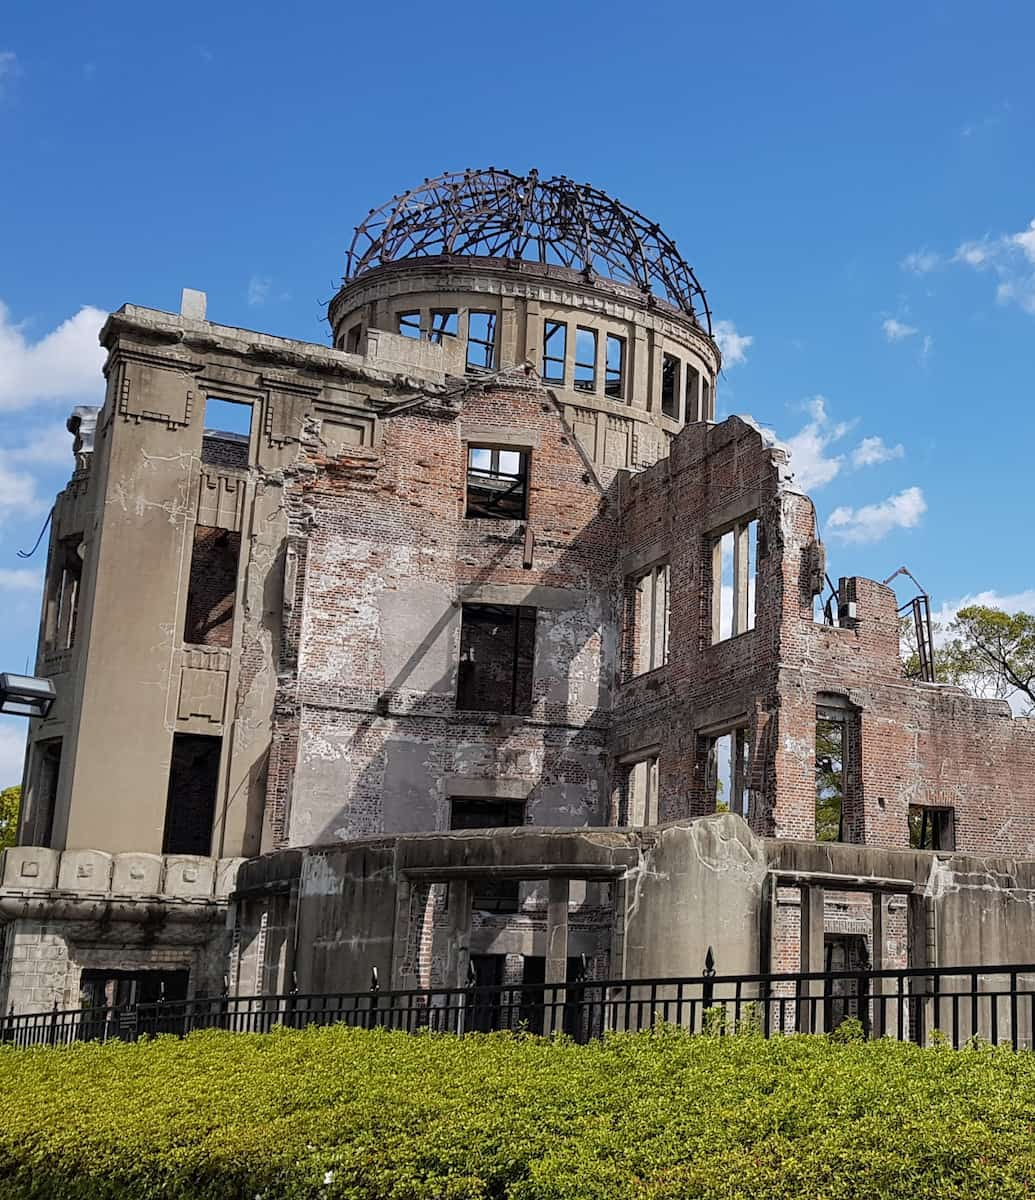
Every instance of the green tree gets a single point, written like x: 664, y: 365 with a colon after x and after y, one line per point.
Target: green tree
x: 10, y: 804
x: 989, y: 652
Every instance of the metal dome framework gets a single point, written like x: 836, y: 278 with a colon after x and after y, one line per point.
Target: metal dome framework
x: 557, y: 222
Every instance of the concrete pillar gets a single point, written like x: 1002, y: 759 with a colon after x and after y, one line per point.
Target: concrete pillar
x: 637, y: 388
x: 878, y: 959
x: 810, y: 1015
x: 533, y: 351
x: 556, y: 953
x: 458, y: 944
x: 509, y: 352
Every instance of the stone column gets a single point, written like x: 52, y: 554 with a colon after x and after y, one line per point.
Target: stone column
x: 556, y: 952
x: 810, y: 1015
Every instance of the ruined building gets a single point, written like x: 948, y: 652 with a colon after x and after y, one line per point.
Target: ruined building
x: 435, y: 649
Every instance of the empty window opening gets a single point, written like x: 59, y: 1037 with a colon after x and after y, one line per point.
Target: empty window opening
x: 191, y: 802
x: 104, y: 988
x: 931, y: 828
x: 726, y: 778
x: 353, y: 339
x: 555, y: 350
x: 227, y: 433
x: 62, y: 613
x: 692, y: 406
x: 497, y: 657
x: 537, y: 997
x: 444, y: 323
x: 837, y: 772
x: 212, y: 590
x: 481, y: 340
x: 734, y: 571
x: 647, y: 627
x: 614, y: 368
x: 585, y: 359
x: 670, y: 386
x: 707, y: 411
x: 485, y: 1011
x: 490, y: 894
x: 408, y: 324
x: 497, y: 483
x: 638, y: 792
x: 38, y: 824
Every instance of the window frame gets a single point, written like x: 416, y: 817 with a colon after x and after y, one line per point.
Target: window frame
x: 743, y: 572
x: 614, y: 379
x: 937, y: 820
x: 436, y: 336
x: 551, y: 328
x: 586, y: 384
x: 670, y: 385
x: 403, y: 325
x: 639, y: 597
x: 520, y: 613
x: 487, y: 344
x: 522, y: 478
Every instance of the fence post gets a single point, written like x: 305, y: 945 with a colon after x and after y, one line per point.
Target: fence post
x: 375, y: 988
x: 9, y: 1024
x: 707, y: 983
x: 53, y: 1024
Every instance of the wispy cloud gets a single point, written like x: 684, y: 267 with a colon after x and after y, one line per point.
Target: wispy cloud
x: 10, y: 69
x: 20, y: 579
x: 872, y: 522
x: 1008, y: 257
x: 897, y: 331
x: 64, y: 364
x: 872, y: 451
x: 734, y: 345
x: 259, y: 289
x: 921, y: 262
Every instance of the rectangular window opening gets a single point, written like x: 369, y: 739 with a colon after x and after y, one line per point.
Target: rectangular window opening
x: 408, y: 324
x: 490, y: 895
x: 638, y: 792
x: 692, y: 396
x: 831, y: 747
x: 190, y: 809
x: 353, y: 339
x: 670, y: 386
x: 497, y: 658
x: 931, y: 828
x: 707, y: 409
x: 585, y: 359
x: 734, y: 575
x: 497, y: 483
x: 481, y: 340
x: 38, y: 827
x: 227, y: 432
x: 614, y: 371
x: 62, y: 610
x: 647, y: 628
x: 726, y: 783
x: 445, y: 322
x: 555, y: 349
x: 212, y: 589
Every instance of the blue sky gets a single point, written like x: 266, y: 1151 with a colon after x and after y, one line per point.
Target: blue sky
x: 854, y: 185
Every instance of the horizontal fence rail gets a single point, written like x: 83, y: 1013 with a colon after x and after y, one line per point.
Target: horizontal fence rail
x: 996, y: 1004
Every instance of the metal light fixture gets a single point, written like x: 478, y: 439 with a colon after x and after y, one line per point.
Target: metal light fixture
x: 25, y: 695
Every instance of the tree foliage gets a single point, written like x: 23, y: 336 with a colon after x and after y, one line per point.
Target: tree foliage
x: 10, y: 805
x: 989, y: 652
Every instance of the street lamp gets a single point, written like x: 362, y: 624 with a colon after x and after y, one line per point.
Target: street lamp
x: 25, y: 695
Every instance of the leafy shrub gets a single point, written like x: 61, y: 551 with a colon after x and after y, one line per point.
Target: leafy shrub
x: 345, y: 1114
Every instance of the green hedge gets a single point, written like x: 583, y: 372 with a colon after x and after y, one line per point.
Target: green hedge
x: 345, y: 1113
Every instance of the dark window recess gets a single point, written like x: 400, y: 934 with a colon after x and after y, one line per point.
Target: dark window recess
x: 481, y: 340
x: 191, y: 805
x: 931, y: 828
x: 101, y: 988
x: 63, y: 598
x: 670, y: 385
x: 497, y: 483
x: 585, y: 360
x: 614, y: 380
x: 490, y: 895
x: 408, y: 324
x: 497, y: 656
x: 485, y: 1011
x: 39, y: 826
x: 212, y: 588
x: 227, y: 435
x: 555, y: 348
x: 353, y: 339
x: 691, y: 407
x: 537, y: 998
x: 444, y: 323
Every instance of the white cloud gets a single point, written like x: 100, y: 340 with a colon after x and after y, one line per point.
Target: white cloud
x: 18, y: 495
x: 872, y: 522
x: 921, y: 262
x: 9, y: 68
x: 1026, y: 241
x: 259, y: 289
x: 20, y: 579
x: 734, y: 346
x: 926, y: 346
x: 871, y: 451
x: 1011, y: 257
x: 49, y: 445
x: 897, y: 331
x: 976, y: 254
x: 64, y: 364
x: 12, y: 751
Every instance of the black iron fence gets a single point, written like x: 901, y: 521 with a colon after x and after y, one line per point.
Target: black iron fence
x: 996, y: 1004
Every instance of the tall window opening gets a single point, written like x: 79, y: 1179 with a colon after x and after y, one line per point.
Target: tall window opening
x: 585, y: 360
x: 38, y: 824
x: 190, y: 808
x: 444, y: 323
x: 692, y: 396
x: 670, y: 386
x: 931, y: 828
x: 707, y: 411
x: 837, y: 770
x: 638, y: 791
x: 497, y: 483
x: 726, y: 772
x: 227, y: 434
x: 614, y: 369
x: 481, y: 340
x: 647, y: 620
x: 408, y: 324
x: 63, y: 599
x: 497, y: 658
x: 353, y: 339
x: 734, y: 570
x: 212, y: 590
x: 490, y: 895
x: 555, y: 350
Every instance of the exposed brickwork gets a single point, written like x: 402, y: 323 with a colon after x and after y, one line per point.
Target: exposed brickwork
x: 212, y: 590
